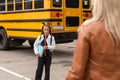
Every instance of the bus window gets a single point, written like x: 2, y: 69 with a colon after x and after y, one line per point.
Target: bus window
x: 2, y: 5
x: 72, y: 21
x: 18, y: 4
x: 27, y: 4
x: 10, y: 5
x: 39, y: 3
x: 86, y: 4
x: 72, y: 3
x: 57, y: 3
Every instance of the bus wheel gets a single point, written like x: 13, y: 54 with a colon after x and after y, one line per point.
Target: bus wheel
x: 31, y: 42
x: 4, y: 41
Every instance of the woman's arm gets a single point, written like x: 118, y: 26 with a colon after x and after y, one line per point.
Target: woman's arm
x: 80, y: 59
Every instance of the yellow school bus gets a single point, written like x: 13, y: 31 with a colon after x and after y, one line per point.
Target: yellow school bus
x: 87, y: 9
x: 21, y: 20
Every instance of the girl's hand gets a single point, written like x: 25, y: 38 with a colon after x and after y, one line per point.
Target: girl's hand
x: 38, y: 55
x: 45, y: 47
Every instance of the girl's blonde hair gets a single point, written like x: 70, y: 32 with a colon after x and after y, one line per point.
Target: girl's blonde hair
x: 109, y: 12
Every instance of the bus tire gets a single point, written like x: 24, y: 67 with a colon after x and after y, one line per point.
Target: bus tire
x: 4, y: 41
x: 31, y: 42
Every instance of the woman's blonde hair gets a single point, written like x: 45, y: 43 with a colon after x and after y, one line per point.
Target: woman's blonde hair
x: 109, y: 12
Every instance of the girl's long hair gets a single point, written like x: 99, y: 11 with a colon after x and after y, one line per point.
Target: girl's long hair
x: 109, y: 12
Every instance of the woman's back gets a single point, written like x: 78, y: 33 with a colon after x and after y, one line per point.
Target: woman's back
x: 104, y: 57
x: 97, y: 53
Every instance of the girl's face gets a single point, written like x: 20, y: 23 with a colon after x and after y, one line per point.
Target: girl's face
x: 46, y: 30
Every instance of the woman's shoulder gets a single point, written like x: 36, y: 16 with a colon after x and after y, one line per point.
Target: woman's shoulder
x: 92, y: 29
x: 95, y: 26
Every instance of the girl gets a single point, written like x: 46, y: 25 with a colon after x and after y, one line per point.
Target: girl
x: 48, y: 43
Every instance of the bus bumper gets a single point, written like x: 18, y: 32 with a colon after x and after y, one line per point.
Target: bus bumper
x: 65, y: 37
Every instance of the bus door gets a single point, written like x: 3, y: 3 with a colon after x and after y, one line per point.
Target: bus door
x: 57, y: 15
x: 67, y: 19
x: 72, y: 15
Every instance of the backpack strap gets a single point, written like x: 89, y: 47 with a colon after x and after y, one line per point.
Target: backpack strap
x: 51, y: 40
x: 40, y: 37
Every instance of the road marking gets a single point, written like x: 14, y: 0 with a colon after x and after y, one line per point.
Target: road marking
x: 15, y: 74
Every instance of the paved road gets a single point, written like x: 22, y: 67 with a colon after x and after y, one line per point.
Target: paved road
x: 20, y: 63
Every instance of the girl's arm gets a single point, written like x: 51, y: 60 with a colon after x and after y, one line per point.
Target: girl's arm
x: 53, y: 45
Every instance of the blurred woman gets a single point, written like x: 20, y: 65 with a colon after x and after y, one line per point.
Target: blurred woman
x: 97, y: 53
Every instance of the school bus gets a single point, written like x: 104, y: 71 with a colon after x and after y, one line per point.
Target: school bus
x: 21, y: 20
x: 87, y: 9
